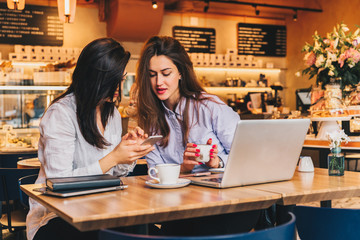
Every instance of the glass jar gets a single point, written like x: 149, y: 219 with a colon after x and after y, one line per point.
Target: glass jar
x: 336, y: 163
x: 333, y: 96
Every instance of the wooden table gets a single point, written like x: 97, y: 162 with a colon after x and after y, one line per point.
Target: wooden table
x: 316, y: 186
x: 140, y: 204
x: 29, y: 163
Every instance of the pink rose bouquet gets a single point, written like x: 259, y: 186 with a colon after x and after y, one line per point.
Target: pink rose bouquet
x: 336, y: 56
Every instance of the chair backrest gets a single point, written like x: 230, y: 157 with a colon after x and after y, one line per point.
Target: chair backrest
x: 24, y: 199
x: 327, y: 223
x: 285, y: 231
x: 9, y: 190
x: 9, y: 182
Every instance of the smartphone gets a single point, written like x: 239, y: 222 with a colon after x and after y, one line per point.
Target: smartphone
x: 152, y: 140
x: 198, y: 174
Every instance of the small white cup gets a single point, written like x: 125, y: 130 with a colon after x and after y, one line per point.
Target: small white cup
x: 306, y: 164
x: 204, y: 152
x: 165, y: 173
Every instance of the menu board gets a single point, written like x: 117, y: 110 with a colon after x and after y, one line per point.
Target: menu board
x: 196, y: 40
x: 261, y: 40
x: 34, y: 25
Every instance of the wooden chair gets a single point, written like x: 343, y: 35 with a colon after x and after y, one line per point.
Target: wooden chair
x: 13, y: 217
x: 327, y: 223
x: 285, y: 231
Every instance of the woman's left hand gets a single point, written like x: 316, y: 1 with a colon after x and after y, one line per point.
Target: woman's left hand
x: 214, y: 159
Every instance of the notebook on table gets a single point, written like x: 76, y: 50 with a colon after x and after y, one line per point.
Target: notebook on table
x: 81, y: 185
x: 90, y: 181
x: 262, y: 151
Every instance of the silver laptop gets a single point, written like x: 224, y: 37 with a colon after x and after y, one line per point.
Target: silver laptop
x: 262, y: 151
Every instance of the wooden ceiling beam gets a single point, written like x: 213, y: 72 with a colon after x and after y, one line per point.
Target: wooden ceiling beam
x: 268, y: 9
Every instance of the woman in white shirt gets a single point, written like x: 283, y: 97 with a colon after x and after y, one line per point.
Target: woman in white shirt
x: 80, y: 133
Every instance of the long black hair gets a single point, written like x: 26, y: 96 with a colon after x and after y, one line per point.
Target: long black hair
x: 98, y: 73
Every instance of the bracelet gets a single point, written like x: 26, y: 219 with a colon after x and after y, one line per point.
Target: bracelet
x: 221, y: 163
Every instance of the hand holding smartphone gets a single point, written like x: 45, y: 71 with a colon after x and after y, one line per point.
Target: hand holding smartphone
x: 152, y: 140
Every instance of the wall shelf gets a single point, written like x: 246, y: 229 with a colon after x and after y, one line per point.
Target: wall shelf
x: 33, y: 88
x: 231, y: 69
x: 224, y: 92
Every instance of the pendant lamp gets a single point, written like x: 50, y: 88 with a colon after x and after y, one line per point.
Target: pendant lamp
x: 16, y: 4
x: 66, y: 9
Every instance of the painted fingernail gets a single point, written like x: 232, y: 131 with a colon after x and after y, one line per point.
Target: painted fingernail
x: 198, y: 150
x: 211, y: 150
x: 210, y: 138
x: 211, y: 154
x: 194, y: 145
x: 197, y: 155
x: 214, y: 146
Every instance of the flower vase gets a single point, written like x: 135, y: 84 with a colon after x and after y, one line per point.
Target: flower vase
x: 336, y: 163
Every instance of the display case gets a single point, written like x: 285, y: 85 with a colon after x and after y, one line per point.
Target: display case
x: 23, y: 106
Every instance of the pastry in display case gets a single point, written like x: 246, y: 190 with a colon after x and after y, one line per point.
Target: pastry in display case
x: 22, y: 139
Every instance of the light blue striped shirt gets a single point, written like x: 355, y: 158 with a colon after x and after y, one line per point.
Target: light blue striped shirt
x: 216, y: 120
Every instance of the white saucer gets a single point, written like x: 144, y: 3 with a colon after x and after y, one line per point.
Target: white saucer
x: 216, y: 170
x: 182, y: 182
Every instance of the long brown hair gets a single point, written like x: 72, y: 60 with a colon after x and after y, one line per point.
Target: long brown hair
x: 151, y: 115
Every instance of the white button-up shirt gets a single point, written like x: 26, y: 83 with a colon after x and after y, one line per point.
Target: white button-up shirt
x: 63, y: 152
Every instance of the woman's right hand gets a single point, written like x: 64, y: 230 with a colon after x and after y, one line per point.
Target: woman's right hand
x: 129, y: 150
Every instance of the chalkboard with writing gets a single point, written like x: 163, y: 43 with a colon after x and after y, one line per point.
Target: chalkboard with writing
x: 261, y: 40
x: 35, y: 25
x: 196, y: 40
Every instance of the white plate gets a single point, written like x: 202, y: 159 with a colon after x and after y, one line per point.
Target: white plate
x: 182, y: 182
x: 216, y: 170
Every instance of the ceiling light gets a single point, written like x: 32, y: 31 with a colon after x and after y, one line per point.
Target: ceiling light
x: 206, y: 7
x: 16, y: 4
x: 154, y: 5
x: 257, y: 11
x: 295, y: 17
x: 66, y: 9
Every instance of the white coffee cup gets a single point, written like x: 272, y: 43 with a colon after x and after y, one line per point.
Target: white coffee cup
x: 306, y: 164
x: 167, y: 173
x: 204, y: 152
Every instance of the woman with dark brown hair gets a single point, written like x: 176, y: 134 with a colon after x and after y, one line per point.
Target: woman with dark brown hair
x: 171, y: 102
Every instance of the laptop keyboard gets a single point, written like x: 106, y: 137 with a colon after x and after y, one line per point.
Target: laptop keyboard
x: 216, y: 180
